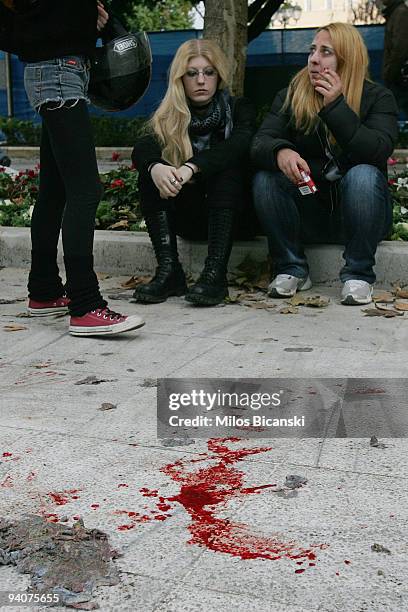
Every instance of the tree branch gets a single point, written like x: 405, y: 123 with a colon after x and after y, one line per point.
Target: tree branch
x: 262, y: 19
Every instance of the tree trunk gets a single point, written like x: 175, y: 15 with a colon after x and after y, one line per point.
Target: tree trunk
x: 226, y: 22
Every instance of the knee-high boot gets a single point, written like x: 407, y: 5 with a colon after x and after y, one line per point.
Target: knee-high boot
x: 211, y: 287
x: 169, y: 278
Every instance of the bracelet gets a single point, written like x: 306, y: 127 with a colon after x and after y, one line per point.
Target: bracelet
x: 152, y: 165
x: 191, y: 168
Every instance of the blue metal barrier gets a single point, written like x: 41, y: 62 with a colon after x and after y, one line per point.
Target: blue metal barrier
x: 271, y: 48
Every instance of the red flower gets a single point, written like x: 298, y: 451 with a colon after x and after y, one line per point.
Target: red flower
x: 392, y: 181
x: 115, y: 156
x: 117, y: 183
x: 391, y: 161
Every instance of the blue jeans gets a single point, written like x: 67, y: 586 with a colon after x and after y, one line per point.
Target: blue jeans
x: 360, y: 220
x: 60, y: 80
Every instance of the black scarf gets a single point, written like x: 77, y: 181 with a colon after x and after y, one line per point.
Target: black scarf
x: 211, y: 123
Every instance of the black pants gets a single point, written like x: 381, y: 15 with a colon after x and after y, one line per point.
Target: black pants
x: 229, y: 189
x: 69, y: 194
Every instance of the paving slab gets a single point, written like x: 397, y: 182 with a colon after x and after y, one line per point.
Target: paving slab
x: 61, y: 447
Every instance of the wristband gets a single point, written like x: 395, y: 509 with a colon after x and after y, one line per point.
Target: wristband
x: 191, y: 168
x: 152, y: 165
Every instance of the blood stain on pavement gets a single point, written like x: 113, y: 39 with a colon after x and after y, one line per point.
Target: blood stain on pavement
x: 207, y: 490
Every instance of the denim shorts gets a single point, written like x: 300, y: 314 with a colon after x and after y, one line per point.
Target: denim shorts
x: 61, y: 80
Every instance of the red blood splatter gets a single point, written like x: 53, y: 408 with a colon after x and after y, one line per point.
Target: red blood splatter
x: 202, y: 491
x: 132, y: 444
x: 51, y: 517
x: 63, y: 497
x: 31, y: 476
x: 76, y: 517
x: 299, y: 571
x: 94, y: 506
x: 122, y: 485
x: 208, y: 489
x: 367, y: 391
x: 312, y: 564
x: 7, y: 482
x: 392, y: 515
x: 347, y: 562
x: 149, y: 492
x: 7, y: 454
x: 337, y: 574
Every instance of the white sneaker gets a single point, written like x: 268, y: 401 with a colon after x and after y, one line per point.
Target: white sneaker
x: 285, y: 285
x: 356, y: 292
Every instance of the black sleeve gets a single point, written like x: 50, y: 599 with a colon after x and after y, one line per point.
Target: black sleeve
x: 398, y: 50
x: 229, y: 152
x: 370, y: 141
x: 145, y: 152
x: 272, y: 136
x: 6, y: 30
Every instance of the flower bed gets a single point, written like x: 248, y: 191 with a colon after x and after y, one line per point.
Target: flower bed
x: 120, y: 210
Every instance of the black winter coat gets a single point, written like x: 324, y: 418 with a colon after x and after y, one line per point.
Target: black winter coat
x: 222, y: 155
x: 49, y: 29
x: 365, y: 139
x: 395, y: 41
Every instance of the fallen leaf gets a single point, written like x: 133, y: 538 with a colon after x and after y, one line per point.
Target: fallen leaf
x: 380, y: 548
x: 293, y: 481
x: 102, y: 275
x: 92, y: 380
x: 401, y: 293
x: 401, y: 306
x: 12, y: 300
x: 375, y: 443
x: 107, y: 406
x: 289, y: 310
x: 124, y: 223
x: 386, y: 297
x: 260, y: 305
x: 314, y: 301
x: 388, y: 313
x: 133, y: 281
x: 14, y: 327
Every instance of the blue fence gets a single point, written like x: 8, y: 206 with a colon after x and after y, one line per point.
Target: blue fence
x: 283, y: 50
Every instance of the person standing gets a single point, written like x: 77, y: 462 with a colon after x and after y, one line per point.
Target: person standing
x: 395, y: 13
x: 56, y: 41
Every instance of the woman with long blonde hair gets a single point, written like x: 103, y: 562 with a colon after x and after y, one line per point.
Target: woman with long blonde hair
x: 335, y: 126
x: 192, y: 164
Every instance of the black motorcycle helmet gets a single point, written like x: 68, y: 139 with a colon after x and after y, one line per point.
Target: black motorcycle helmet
x: 121, y: 68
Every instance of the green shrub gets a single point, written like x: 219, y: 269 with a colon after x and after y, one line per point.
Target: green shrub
x: 108, y: 131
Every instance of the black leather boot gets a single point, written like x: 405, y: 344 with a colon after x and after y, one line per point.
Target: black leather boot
x: 212, y: 288
x: 169, y: 278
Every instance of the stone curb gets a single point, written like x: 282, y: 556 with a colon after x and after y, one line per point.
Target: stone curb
x: 128, y: 253
x: 105, y: 153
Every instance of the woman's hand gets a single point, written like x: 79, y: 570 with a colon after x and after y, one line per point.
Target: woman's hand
x: 185, y: 173
x: 103, y: 16
x: 166, y: 180
x: 291, y: 164
x: 329, y: 86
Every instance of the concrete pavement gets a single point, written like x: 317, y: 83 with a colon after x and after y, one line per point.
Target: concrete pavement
x: 55, y: 438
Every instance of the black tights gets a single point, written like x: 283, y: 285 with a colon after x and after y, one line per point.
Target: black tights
x: 69, y: 194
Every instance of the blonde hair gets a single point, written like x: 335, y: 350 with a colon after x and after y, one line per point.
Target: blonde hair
x: 352, y: 67
x: 171, y: 120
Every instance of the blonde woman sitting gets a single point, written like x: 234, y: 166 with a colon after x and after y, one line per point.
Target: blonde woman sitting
x: 336, y: 125
x: 193, y: 169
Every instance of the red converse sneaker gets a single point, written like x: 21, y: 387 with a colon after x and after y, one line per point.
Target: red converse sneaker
x: 103, y: 322
x: 50, y: 307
